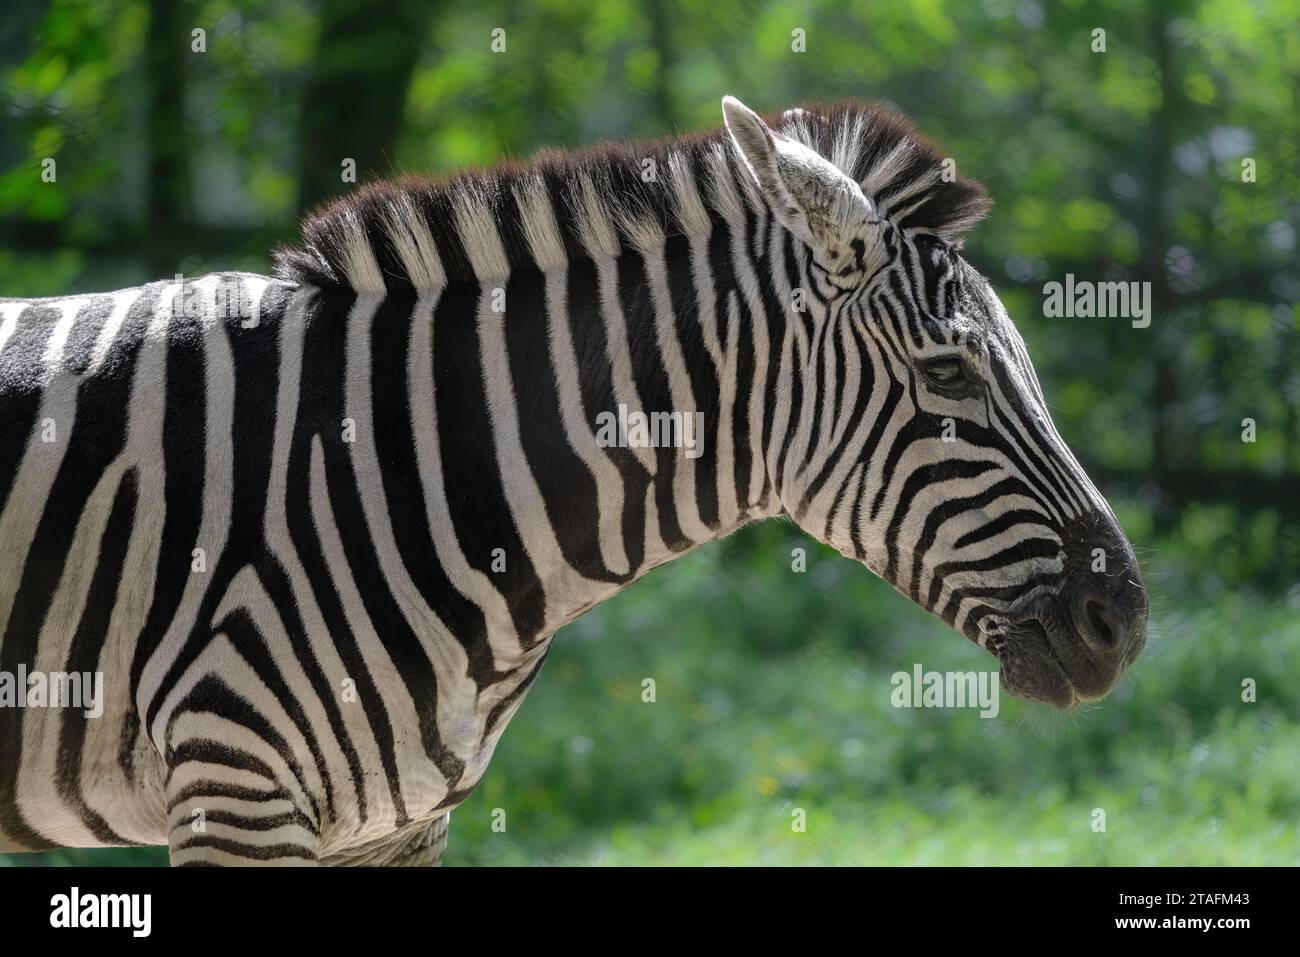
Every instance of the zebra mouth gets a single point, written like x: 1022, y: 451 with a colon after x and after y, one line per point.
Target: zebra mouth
x: 1032, y: 669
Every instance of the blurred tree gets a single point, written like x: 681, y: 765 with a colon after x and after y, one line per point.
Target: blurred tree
x: 169, y: 201
x: 659, y: 17
x: 355, y: 98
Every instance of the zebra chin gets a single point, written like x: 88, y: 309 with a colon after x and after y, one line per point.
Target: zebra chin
x: 1032, y: 669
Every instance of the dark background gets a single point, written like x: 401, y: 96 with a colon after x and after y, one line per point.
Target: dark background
x: 773, y: 685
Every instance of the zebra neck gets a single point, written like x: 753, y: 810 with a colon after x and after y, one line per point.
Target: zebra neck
x: 595, y: 421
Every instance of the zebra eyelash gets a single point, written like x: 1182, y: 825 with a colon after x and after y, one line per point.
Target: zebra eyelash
x: 950, y: 375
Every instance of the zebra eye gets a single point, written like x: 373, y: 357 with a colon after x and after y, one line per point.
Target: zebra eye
x: 945, y: 373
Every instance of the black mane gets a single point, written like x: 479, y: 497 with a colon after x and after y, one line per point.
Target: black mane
x: 864, y: 137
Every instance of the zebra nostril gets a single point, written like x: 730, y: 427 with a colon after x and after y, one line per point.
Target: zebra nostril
x: 1101, y: 626
x: 1101, y: 629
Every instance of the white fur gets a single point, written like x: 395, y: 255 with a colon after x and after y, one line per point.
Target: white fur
x: 360, y: 267
x: 592, y: 212
x: 537, y: 219
x: 478, y: 234
x: 410, y: 236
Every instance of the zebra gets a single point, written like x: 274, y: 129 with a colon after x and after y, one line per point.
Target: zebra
x: 316, y: 529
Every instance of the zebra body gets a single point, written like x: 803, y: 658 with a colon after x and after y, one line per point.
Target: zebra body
x: 317, y: 530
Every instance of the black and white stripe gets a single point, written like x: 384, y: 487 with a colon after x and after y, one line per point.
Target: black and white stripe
x: 387, y: 459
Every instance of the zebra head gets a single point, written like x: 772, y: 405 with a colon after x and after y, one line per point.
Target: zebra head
x: 921, y: 443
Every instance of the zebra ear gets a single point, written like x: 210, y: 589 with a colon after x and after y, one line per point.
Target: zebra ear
x: 807, y: 194
x: 757, y: 144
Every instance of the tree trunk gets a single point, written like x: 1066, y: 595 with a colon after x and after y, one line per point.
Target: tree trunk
x: 661, y: 39
x: 168, y: 194
x: 355, y: 97
x: 1151, y: 268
